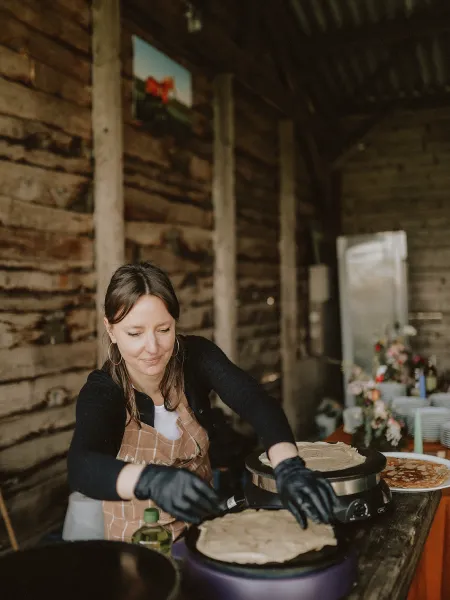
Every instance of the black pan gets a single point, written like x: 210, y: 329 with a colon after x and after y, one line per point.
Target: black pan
x: 89, y: 570
x: 308, y: 562
x: 374, y: 463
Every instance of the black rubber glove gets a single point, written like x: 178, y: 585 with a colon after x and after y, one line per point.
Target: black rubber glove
x: 304, y: 492
x: 179, y: 492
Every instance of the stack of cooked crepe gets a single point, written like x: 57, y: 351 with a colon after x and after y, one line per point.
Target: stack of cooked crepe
x: 321, y: 456
x: 414, y: 473
x: 261, y: 536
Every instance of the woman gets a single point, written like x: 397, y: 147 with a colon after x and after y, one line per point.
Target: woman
x: 143, y: 421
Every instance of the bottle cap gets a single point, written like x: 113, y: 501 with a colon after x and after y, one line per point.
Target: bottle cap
x: 151, y: 515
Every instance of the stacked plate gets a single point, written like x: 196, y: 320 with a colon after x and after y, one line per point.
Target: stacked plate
x: 440, y: 399
x: 432, y: 417
x: 445, y: 434
x: 402, y: 405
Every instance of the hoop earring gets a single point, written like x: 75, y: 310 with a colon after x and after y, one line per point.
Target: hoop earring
x: 178, y: 347
x: 111, y: 360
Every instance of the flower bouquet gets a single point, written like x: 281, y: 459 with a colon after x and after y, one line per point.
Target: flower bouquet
x: 393, y: 360
x: 379, y: 429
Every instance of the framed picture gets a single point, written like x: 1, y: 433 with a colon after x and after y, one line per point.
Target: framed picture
x: 162, y: 91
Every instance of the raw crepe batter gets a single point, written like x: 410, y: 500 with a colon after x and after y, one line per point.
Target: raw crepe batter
x: 261, y: 536
x: 321, y: 456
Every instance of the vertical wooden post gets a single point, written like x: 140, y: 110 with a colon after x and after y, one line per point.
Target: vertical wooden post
x: 224, y: 201
x: 288, y: 269
x: 108, y: 148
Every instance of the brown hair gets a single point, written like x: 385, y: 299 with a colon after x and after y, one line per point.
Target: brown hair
x: 127, y: 285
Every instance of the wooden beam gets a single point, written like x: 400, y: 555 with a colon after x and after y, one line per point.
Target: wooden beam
x: 288, y: 270
x: 224, y: 203
x: 431, y: 102
x: 427, y: 22
x: 353, y: 141
x: 212, y: 48
x: 108, y: 149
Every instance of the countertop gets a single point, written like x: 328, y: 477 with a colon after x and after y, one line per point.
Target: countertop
x: 390, y: 546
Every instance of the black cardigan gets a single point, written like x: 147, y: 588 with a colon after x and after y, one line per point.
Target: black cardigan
x: 101, y: 416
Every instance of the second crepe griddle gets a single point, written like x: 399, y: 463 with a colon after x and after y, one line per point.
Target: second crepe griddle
x: 375, y: 462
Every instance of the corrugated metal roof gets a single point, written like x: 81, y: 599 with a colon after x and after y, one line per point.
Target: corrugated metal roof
x: 364, y: 53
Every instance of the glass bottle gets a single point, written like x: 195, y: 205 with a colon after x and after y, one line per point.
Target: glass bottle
x: 152, y: 534
x: 431, y: 376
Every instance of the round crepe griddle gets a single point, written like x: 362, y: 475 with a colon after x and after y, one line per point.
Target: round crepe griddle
x: 312, y: 561
x: 374, y: 463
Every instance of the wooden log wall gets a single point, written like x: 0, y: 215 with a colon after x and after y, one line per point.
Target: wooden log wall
x: 47, y: 283
x: 257, y: 223
x: 400, y: 182
x: 47, y: 277
x: 168, y: 205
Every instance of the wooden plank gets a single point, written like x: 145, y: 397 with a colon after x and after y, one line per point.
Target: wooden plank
x: 43, y: 158
x: 173, y: 263
x: 23, y: 215
x: 78, y: 10
x: 54, y: 82
x: 19, y: 329
x: 81, y: 324
x: 25, y: 247
x: 24, y: 482
x: 158, y: 234
x: 108, y: 147
x: 288, y: 269
x: 224, y: 202
x: 143, y: 206
x: 48, y: 391
x: 35, y: 140
x: 46, y: 302
x: 15, y: 429
x: 45, y: 19
x: 33, y: 361
x: 172, y: 186
x: 20, y: 101
x: 139, y: 144
x: 22, y: 38
x: 38, y: 281
x: 30, y: 454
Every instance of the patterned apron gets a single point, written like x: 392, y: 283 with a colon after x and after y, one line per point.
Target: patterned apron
x: 148, y: 446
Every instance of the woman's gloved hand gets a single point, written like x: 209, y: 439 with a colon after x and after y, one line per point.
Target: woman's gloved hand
x: 177, y: 491
x: 304, y: 492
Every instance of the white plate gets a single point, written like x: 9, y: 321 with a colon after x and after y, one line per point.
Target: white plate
x: 427, y: 457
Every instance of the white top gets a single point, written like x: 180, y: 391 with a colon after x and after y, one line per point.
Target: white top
x: 166, y: 422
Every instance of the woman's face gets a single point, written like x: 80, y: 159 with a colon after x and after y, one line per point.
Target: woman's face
x: 145, y: 337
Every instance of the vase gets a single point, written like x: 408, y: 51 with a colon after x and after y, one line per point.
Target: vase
x: 353, y: 418
x: 390, y: 390
x: 382, y: 444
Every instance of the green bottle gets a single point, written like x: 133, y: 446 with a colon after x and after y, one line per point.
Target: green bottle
x: 153, y: 535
